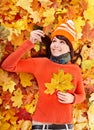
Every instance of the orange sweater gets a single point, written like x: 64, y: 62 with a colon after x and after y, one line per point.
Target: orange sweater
x: 48, y: 108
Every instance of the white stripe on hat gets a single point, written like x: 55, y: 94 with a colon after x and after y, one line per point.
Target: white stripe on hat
x: 70, y: 22
x: 68, y: 28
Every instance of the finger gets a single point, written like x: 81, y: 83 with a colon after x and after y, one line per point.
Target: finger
x: 61, y: 93
x: 38, y: 32
x: 62, y: 101
x: 62, y: 97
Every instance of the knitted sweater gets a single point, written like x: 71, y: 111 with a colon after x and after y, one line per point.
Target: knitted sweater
x: 48, y: 108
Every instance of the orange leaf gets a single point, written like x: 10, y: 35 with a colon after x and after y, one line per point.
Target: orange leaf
x: 88, y: 33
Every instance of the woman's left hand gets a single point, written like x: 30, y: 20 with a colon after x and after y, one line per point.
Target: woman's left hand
x: 65, y: 97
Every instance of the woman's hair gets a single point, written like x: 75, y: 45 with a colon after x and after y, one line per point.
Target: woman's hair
x: 46, y: 41
x: 68, y: 43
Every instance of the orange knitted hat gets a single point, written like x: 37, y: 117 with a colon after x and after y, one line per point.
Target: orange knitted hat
x: 65, y: 29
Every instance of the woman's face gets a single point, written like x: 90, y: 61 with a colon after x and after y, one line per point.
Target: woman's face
x: 59, y: 47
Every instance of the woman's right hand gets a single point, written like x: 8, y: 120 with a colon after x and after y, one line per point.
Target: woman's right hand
x: 35, y: 36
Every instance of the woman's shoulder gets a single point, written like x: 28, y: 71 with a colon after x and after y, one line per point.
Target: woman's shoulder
x: 74, y: 66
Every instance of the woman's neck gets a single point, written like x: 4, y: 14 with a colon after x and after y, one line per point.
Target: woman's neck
x: 62, y: 59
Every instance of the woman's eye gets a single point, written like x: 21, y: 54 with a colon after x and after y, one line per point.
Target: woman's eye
x: 63, y: 42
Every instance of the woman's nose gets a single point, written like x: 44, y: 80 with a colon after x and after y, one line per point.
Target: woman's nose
x: 56, y: 44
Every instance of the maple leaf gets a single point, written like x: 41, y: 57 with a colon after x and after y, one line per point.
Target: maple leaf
x: 45, y: 3
x: 6, y: 82
x: 17, y: 98
x: 27, y: 99
x: 88, y: 32
x: 26, y: 125
x: 23, y: 114
x: 5, y: 126
x: 20, y: 24
x: 79, y: 23
x: 9, y: 85
x: 32, y: 106
x: 25, y: 79
x: 6, y: 97
x: 25, y: 4
x: 88, y: 15
x: 60, y: 81
x: 19, y: 39
x: 90, y: 3
x: 87, y: 65
x: 49, y: 16
x: 36, y: 16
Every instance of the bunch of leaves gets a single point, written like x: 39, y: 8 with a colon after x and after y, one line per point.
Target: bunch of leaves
x: 17, y: 99
x: 59, y: 82
x: 19, y: 17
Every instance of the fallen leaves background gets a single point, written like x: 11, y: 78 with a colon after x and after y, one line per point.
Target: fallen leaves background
x: 17, y: 19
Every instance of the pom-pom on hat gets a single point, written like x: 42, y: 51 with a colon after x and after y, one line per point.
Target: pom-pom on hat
x: 65, y: 29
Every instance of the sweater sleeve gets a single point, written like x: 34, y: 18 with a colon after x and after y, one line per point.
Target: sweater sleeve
x: 80, y: 91
x: 14, y: 63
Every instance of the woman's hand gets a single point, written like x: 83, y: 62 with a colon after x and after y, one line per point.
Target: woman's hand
x: 35, y: 36
x: 65, y: 97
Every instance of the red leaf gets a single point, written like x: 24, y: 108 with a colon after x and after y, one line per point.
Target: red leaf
x: 23, y: 114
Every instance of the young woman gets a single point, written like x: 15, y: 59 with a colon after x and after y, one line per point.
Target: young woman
x: 53, y: 111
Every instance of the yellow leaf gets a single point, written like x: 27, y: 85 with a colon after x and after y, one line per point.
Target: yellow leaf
x: 59, y: 81
x: 20, y: 24
x: 25, y: 79
x: 45, y: 3
x: 89, y: 15
x: 5, y: 126
x: 79, y: 23
x: 37, y: 47
x: 9, y: 85
x: 6, y: 82
x: 32, y: 106
x: 26, y: 125
x: 49, y: 16
x: 17, y: 98
x: 36, y: 16
x: 87, y: 65
x: 25, y: 4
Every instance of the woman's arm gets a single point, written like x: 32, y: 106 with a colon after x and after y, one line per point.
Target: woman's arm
x: 12, y: 62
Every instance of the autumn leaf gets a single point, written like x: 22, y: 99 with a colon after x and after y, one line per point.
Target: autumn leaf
x: 6, y: 82
x: 87, y: 65
x: 26, y: 125
x: 49, y: 16
x: 23, y: 114
x: 88, y: 33
x: 9, y: 86
x: 59, y: 81
x: 45, y: 3
x: 25, y: 4
x: 17, y: 98
x: 32, y: 106
x: 20, y: 24
x: 79, y: 23
x: 25, y: 79
x: 5, y: 126
x: 91, y: 99
x: 88, y: 14
x: 36, y: 16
